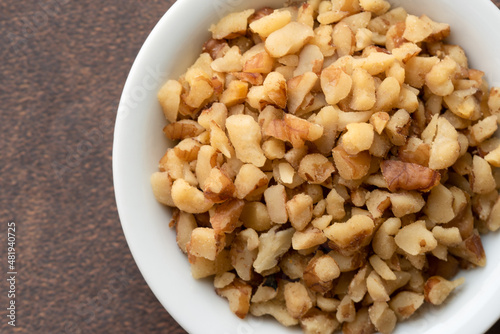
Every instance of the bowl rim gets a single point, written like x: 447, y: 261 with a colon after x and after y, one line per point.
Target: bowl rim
x: 489, y: 312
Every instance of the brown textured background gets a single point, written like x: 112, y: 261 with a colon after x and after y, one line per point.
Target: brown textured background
x: 63, y: 64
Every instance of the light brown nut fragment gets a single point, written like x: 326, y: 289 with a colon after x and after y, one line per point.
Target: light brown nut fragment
x: 415, y: 151
x: 315, y: 168
x: 377, y: 202
x: 273, y: 148
x: 363, y: 90
x: 346, y: 311
x: 272, y: 246
x: 439, y: 207
x: 201, y: 267
x: 493, y: 157
x: 439, y: 77
x: 482, y: 180
x: 275, y: 308
x: 494, y: 101
x: 276, y: 198
x: 397, y: 129
x: 320, y: 273
x: 404, y: 203
x: 255, y: 216
x: 235, y: 93
x: 242, y: 255
x: 250, y: 182
x: 298, y: 88
x: 405, y: 303
x: 483, y: 130
x: 169, y: 97
x: 294, y: 130
x: 207, y: 159
x: 415, y: 239
x: 387, y: 95
x: 344, y: 39
x: 349, y: 262
x: 201, y: 89
x: 327, y: 117
x: 225, y: 216
x: 293, y: 264
x: 353, y: 234
x: 215, y: 48
x: 376, y: 288
x: 232, y: 25
x: 439, y: 30
x: 299, y: 210
x: 317, y: 322
x: 445, y: 149
x: 382, y: 23
x: 447, y: 236
x: 260, y: 62
x: 206, y: 243
x: 327, y: 304
x: 361, y: 323
x: 183, y: 129
x: 218, y: 187
x: 188, y: 198
x: 382, y: 268
x: 493, y: 222
x: 377, y: 7
x: 275, y: 87
x: 357, y: 287
x: 336, y: 84
x: 471, y: 249
x: 383, y: 243
x: 161, y: 183
x: 264, y: 293
x: 245, y: 135
x: 307, y: 238
x: 380, y: 149
x: 176, y: 167
x: 408, y: 176
x: 238, y: 293
x: 335, y: 205
x: 323, y: 39
x: 417, y: 29
x: 185, y: 223
x: 351, y: 167
x: 310, y: 60
x: 464, y: 106
x: 406, y: 51
x: 322, y: 221
x: 297, y: 299
x: 219, y: 140
x: 289, y: 39
x: 417, y: 68
x: 382, y: 317
x: 359, y: 137
x: 223, y: 280
x: 357, y: 21
x: 230, y: 62
x: 394, y: 36
x: 187, y: 150
x: 437, y: 289
x: 266, y: 25
x: 377, y: 62
x: 254, y: 79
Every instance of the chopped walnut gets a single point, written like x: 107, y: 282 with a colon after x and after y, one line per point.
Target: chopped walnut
x: 409, y: 176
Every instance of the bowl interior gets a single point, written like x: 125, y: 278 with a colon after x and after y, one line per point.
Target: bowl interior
x: 139, y: 142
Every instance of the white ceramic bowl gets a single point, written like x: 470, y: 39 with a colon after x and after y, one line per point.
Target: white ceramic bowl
x: 171, y: 47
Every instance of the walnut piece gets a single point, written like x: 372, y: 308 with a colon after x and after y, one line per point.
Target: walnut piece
x: 409, y: 176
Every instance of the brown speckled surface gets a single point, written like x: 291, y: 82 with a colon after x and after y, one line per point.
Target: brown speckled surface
x: 62, y: 69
